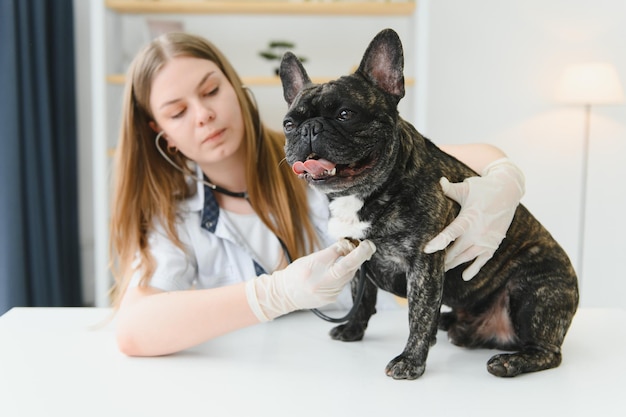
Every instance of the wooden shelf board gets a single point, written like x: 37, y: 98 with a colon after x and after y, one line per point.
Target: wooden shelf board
x: 116, y: 78
x: 264, y: 7
x: 251, y: 80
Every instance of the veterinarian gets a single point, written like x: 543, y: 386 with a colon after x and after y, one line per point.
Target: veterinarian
x: 206, y: 217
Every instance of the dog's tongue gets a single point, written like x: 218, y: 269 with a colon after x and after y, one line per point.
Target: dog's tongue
x: 315, y: 167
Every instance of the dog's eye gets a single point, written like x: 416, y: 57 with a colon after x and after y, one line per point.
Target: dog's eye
x: 288, y: 126
x: 345, y: 114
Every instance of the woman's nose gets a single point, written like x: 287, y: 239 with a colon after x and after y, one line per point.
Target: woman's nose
x: 205, y: 114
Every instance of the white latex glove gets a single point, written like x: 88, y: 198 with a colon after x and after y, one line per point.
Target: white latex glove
x: 488, y: 204
x: 309, y: 282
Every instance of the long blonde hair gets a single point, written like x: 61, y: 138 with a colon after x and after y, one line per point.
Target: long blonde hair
x: 147, y: 188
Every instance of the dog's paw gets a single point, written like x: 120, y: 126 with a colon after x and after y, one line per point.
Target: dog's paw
x: 347, y: 333
x: 504, y: 365
x: 402, y: 367
x: 528, y: 360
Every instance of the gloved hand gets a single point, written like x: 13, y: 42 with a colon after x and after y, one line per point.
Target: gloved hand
x: 488, y: 204
x: 309, y: 282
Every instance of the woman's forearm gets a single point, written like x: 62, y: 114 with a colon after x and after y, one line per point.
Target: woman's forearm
x: 152, y: 322
x: 476, y: 155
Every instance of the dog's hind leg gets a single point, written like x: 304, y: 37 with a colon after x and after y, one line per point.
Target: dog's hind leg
x: 446, y: 320
x: 541, y: 318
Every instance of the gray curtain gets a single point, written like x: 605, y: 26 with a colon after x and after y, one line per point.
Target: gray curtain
x: 39, y: 244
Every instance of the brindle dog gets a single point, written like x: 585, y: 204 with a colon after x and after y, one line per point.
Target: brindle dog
x: 346, y: 138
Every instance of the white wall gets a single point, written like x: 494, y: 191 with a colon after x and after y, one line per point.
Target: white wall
x: 486, y: 72
x: 331, y: 50
x: 491, y: 70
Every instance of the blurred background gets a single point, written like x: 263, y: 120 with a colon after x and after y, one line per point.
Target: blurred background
x: 480, y: 71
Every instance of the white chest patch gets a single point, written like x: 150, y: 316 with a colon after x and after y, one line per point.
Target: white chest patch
x: 344, y: 221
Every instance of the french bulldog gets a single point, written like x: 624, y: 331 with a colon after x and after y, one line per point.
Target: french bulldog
x: 347, y: 139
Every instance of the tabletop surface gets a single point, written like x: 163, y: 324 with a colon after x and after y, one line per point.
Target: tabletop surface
x: 64, y: 362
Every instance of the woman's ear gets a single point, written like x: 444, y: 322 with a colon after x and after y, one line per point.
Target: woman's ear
x: 154, y: 126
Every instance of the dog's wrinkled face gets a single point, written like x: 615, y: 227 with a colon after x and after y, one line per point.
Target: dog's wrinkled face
x: 340, y: 135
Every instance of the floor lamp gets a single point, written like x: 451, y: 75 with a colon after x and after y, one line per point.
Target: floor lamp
x: 588, y: 84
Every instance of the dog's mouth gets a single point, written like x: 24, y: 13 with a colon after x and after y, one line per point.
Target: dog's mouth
x: 316, y: 169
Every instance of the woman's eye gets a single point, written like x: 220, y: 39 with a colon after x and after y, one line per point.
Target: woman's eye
x: 345, y: 114
x: 178, y: 115
x: 212, y: 92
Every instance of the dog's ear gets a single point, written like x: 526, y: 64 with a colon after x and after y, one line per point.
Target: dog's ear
x: 293, y: 76
x: 383, y: 63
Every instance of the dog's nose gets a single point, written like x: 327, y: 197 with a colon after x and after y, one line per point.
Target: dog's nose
x: 312, y: 129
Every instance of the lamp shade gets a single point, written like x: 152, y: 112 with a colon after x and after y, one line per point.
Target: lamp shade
x: 590, y: 83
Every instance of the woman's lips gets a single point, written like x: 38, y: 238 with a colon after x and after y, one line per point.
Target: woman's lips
x: 214, y: 135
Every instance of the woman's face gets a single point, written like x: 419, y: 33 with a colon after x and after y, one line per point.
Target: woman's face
x: 196, y: 106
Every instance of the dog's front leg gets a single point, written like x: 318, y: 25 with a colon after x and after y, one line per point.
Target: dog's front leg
x: 354, y: 329
x: 424, y: 292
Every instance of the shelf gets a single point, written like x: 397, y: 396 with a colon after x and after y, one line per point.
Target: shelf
x: 366, y: 8
x: 257, y: 80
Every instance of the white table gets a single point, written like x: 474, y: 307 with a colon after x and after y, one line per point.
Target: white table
x: 52, y: 363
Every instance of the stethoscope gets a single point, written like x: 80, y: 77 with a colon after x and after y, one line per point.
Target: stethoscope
x: 362, y: 273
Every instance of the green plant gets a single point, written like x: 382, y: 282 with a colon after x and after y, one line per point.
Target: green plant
x: 275, y: 51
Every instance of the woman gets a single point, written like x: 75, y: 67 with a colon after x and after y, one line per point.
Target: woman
x: 204, y: 201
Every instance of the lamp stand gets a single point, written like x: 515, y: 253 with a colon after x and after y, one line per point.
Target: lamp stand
x: 583, y: 192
